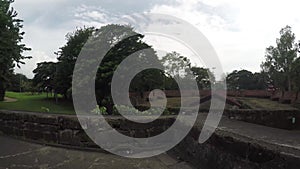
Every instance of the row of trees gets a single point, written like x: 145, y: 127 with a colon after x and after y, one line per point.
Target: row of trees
x: 57, y: 76
x: 280, y: 70
x: 247, y: 80
x: 20, y: 83
x: 11, y: 48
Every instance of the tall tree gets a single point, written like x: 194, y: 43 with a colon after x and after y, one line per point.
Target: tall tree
x: 279, y: 59
x: 121, y: 49
x: 10, y: 43
x: 203, y: 76
x: 296, y: 74
x: 44, y: 78
x: 176, y: 65
x: 67, y: 56
x: 111, y: 35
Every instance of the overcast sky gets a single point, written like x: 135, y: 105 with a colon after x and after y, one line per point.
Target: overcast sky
x: 239, y: 30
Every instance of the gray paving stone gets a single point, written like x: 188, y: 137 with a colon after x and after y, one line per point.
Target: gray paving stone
x: 16, y: 154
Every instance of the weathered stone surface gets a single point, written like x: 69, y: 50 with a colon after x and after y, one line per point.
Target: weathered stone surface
x: 70, y: 122
x: 21, y: 155
x: 66, y: 136
x: 237, y: 144
x: 282, y: 119
x: 51, y: 137
x: 227, y: 148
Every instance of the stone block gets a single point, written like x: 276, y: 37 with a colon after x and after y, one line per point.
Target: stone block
x: 66, y: 136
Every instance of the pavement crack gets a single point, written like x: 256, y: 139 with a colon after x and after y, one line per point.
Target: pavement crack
x: 60, y: 164
x: 95, y: 163
x: 21, y: 154
x: 21, y: 166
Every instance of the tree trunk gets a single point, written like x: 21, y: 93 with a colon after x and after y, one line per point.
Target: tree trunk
x: 2, y: 91
x: 289, y: 83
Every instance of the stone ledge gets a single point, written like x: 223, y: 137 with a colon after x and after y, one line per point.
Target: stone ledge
x: 227, y: 148
x: 237, y: 144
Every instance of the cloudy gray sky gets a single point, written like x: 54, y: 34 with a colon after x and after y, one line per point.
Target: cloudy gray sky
x: 239, y: 30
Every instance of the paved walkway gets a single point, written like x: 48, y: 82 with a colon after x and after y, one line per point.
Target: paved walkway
x: 16, y: 154
x: 9, y: 100
x: 285, y: 141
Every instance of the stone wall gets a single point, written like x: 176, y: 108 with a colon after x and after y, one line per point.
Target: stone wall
x: 221, y: 151
x: 224, y: 151
x: 66, y: 130
x: 283, y: 119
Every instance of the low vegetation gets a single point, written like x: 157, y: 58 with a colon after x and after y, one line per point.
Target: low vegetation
x: 266, y: 104
x: 37, y: 103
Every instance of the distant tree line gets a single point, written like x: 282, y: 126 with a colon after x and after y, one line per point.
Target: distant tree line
x: 280, y: 70
x: 247, y: 80
x: 20, y: 83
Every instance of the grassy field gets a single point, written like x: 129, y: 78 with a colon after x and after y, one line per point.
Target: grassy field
x: 37, y: 103
x: 267, y: 104
x: 40, y: 103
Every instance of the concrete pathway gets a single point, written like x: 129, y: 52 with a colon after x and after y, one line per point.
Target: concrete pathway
x: 285, y: 141
x: 9, y: 100
x: 16, y: 154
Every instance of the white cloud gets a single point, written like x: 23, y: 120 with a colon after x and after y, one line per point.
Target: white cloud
x: 239, y: 30
x: 37, y: 57
x: 92, y: 16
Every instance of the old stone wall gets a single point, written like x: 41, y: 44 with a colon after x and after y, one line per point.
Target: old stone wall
x: 66, y: 130
x: 283, y: 119
x: 221, y: 151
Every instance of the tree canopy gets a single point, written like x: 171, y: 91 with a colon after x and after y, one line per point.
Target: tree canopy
x: 11, y: 48
x: 280, y: 59
x: 44, y: 78
x: 246, y: 80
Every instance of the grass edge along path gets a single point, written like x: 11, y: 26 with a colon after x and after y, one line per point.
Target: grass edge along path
x: 37, y: 103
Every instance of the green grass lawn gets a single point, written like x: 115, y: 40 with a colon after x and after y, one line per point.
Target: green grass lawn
x: 267, y: 104
x: 37, y: 103
x: 40, y: 103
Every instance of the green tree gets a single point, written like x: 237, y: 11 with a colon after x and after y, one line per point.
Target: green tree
x: 44, y: 78
x: 16, y: 81
x: 176, y: 65
x: 279, y: 59
x: 121, y: 49
x: 10, y: 43
x: 296, y: 73
x: 67, y: 56
x: 203, y: 76
x: 109, y: 35
x: 246, y: 80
